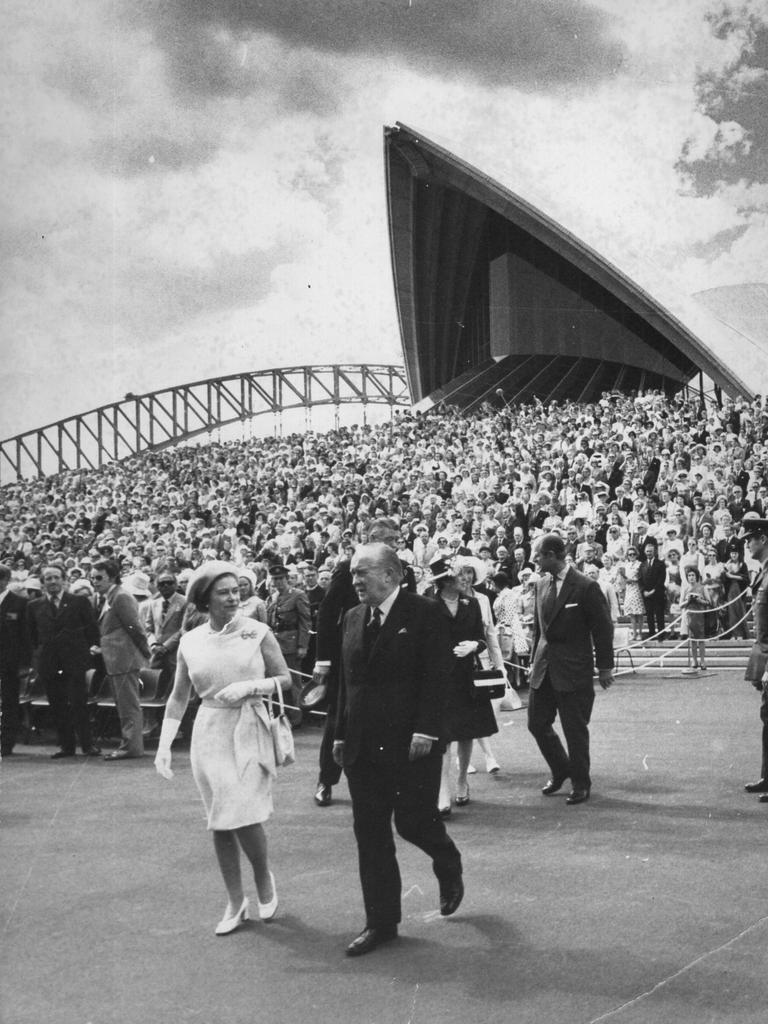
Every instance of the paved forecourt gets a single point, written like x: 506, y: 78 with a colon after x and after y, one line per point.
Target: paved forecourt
x: 647, y: 904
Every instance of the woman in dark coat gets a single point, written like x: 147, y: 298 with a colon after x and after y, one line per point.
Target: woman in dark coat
x: 465, y: 719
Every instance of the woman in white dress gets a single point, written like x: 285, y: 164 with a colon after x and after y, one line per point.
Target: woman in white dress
x: 232, y: 662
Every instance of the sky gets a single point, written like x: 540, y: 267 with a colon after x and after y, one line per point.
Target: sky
x: 197, y: 188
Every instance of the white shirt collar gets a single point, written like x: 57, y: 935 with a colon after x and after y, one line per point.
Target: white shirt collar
x: 385, y: 606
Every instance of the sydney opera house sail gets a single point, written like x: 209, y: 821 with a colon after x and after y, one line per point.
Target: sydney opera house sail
x: 492, y: 294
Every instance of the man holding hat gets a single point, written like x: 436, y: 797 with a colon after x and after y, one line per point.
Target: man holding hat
x: 755, y: 533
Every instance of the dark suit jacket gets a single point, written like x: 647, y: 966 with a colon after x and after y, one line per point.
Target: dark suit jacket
x: 564, y: 645
x: 14, y: 637
x: 399, y: 689
x: 653, y: 577
x: 339, y: 598
x: 64, y: 640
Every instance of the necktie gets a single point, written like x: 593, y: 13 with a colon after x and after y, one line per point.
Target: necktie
x: 372, y: 629
x: 548, y: 605
x: 166, y: 603
x: 55, y: 604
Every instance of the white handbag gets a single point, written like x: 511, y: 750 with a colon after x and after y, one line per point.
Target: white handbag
x: 282, y: 735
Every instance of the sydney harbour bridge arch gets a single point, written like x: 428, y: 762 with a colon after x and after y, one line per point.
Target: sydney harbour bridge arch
x: 174, y: 415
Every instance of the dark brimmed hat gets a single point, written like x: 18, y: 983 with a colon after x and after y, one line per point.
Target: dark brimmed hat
x: 277, y: 569
x: 440, y: 568
x: 203, y: 578
x: 752, y: 526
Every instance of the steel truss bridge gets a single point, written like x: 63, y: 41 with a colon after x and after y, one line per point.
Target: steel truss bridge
x: 161, y: 419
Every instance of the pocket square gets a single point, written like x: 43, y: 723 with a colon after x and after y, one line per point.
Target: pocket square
x: 403, y: 630
x: 574, y: 604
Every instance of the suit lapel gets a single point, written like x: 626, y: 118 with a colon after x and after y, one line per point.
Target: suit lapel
x: 389, y: 627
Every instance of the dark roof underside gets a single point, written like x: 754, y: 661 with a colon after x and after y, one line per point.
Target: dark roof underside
x: 492, y: 294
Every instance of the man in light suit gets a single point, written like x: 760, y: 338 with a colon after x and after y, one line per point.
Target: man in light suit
x: 162, y: 618
x: 571, y: 616
x: 125, y: 650
x: 62, y: 628
x: 14, y: 658
x: 395, y: 658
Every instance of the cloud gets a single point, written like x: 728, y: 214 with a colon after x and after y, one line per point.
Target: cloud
x: 731, y: 138
x: 496, y: 42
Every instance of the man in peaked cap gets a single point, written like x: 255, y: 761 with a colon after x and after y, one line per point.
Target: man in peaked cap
x: 755, y: 534
x: 289, y: 618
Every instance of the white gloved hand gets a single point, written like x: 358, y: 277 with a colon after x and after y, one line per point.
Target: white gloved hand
x: 163, y: 757
x: 163, y: 764
x: 235, y: 693
x: 465, y: 648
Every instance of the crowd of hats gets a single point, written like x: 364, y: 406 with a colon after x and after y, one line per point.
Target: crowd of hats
x: 311, y: 496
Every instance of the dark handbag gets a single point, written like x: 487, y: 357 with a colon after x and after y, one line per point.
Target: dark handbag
x: 488, y: 683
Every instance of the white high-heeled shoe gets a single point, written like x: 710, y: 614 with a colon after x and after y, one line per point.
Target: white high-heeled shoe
x: 228, y: 924
x: 268, y: 910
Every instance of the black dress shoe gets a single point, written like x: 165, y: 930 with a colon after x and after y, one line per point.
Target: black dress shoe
x: 763, y: 799
x: 451, y: 896
x: 92, y: 752
x: 119, y: 755
x: 577, y: 796
x: 761, y: 786
x: 62, y: 753
x: 323, y: 796
x: 553, y: 786
x: 369, y: 939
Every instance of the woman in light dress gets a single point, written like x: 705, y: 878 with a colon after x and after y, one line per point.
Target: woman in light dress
x: 233, y: 663
x: 634, y: 606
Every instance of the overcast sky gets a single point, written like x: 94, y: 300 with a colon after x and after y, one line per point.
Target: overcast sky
x: 196, y: 188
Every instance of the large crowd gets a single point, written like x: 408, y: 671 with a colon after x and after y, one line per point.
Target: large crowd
x: 613, y: 476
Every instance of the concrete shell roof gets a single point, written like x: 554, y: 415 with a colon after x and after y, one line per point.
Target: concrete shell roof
x: 723, y: 349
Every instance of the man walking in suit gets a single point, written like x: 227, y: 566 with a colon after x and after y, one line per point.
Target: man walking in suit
x: 395, y: 659
x: 62, y: 628
x: 653, y: 577
x: 571, y: 615
x: 125, y: 650
x: 14, y: 658
x: 339, y: 598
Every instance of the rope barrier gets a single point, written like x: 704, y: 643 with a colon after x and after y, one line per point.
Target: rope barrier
x: 693, y: 611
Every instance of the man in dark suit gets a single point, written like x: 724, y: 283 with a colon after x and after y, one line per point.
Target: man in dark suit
x: 395, y: 658
x: 653, y: 577
x: 572, y: 615
x: 339, y: 598
x: 14, y: 659
x: 62, y: 629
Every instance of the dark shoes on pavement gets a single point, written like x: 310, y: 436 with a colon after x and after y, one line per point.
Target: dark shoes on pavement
x: 323, y: 796
x: 761, y: 786
x: 451, y: 896
x: 370, y: 938
x: 554, y: 785
x: 577, y: 796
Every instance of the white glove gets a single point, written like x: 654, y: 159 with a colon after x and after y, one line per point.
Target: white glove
x: 235, y: 693
x: 465, y: 648
x: 163, y: 757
